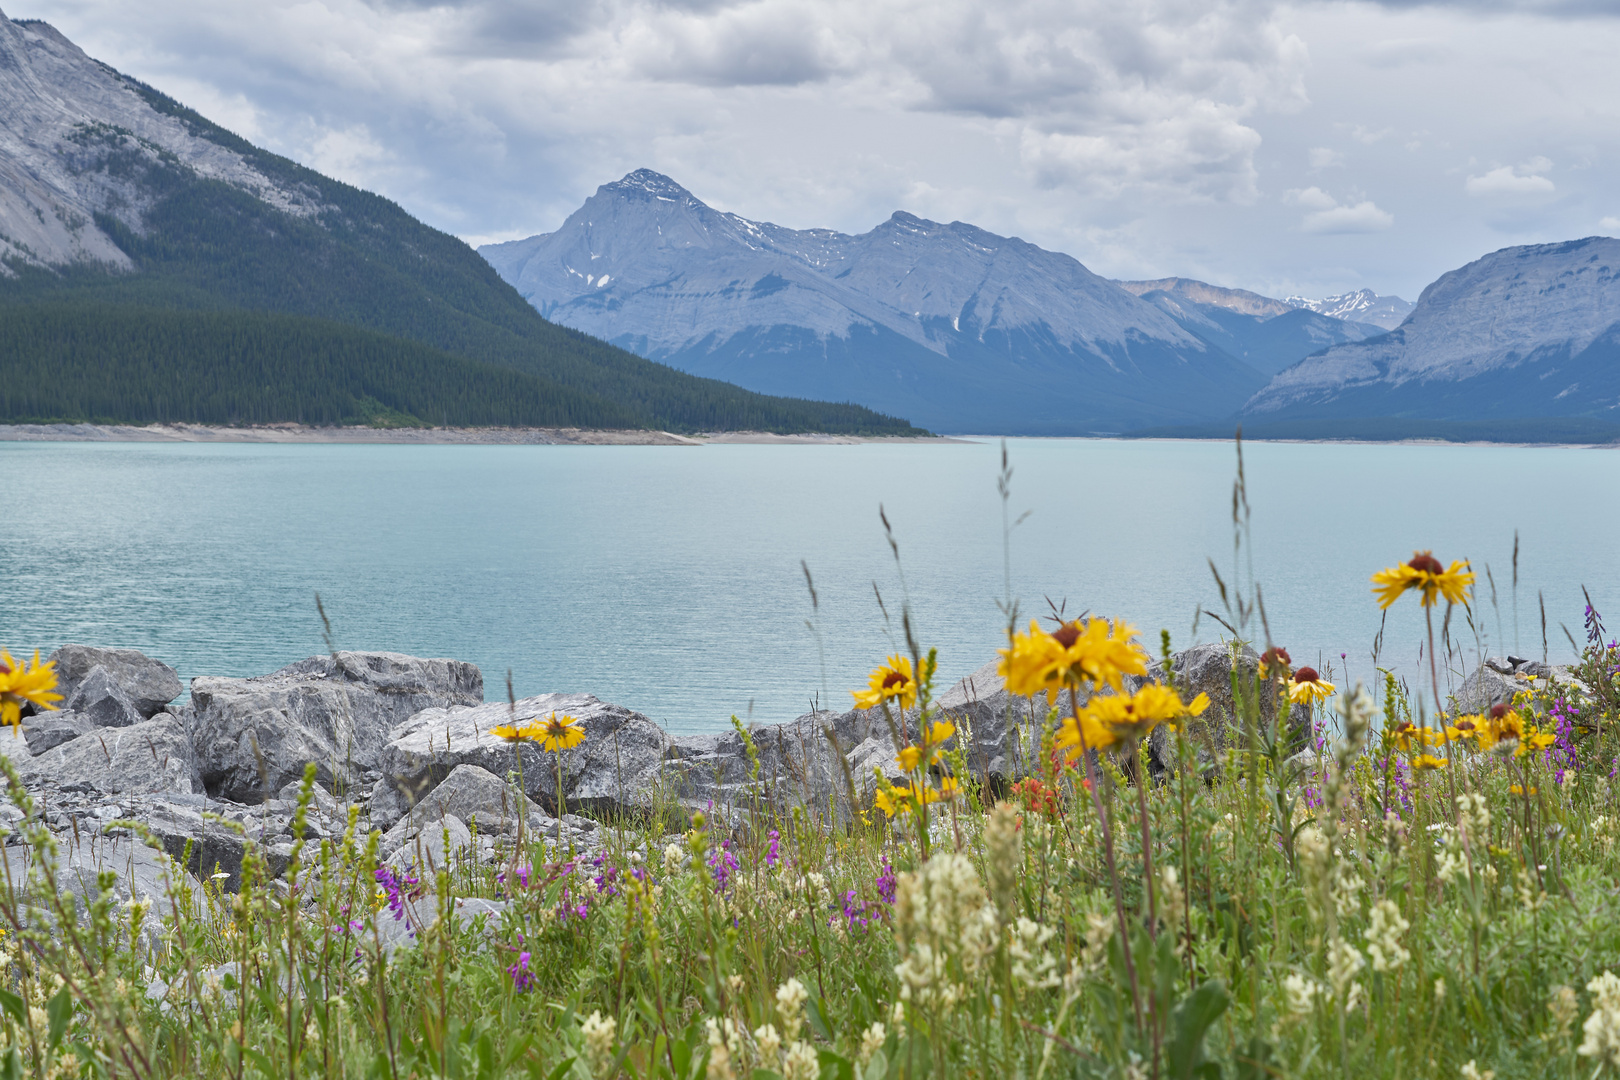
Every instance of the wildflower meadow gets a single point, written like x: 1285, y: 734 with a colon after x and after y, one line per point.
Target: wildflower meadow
x: 1342, y: 881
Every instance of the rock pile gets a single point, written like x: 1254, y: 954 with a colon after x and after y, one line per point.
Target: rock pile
x: 407, y: 742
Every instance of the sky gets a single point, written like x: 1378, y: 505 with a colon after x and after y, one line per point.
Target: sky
x: 1304, y: 148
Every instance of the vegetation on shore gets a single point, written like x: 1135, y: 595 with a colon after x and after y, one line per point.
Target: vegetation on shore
x: 1401, y: 890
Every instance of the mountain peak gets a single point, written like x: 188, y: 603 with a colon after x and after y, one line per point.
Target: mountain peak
x: 649, y: 182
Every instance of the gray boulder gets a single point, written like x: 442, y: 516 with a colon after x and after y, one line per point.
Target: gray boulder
x: 255, y: 735
x: 612, y: 771
x: 472, y: 794
x: 139, y: 874
x: 429, y: 846
x: 148, y: 684
x: 1207, y: 669
x: 102, y: 700
x: 1486, y: 686
x: 45, y: 731
x: 151, y: 756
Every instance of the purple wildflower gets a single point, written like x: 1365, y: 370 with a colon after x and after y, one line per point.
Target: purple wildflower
x: 722, y: 863
x: 773, y: 854
x: 397, y: 889
x: 886, y: 883
x: 607, y: 881
x: 522, y: 977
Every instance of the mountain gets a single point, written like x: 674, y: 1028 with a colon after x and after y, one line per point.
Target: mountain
x: 1524, y: 332
x: 1363, y: 305
x: 1268, y: 343
x: 1241, y: 301
x: 955, y: 327
x: 148, y: 229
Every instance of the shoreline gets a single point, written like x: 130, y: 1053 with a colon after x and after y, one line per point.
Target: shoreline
x: 299, y: 433
x: 288, y: 434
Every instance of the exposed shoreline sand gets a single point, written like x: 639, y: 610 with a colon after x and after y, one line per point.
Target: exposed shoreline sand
x: 298, y: 433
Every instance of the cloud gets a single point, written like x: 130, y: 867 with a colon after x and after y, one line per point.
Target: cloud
x: 1327, y: 216
x: 1552, y: 8
x: 1610, y: 224
x: 1321, y: 157
x: 1525, y: 179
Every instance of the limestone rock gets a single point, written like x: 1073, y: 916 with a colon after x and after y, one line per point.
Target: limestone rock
x: 255, y: 735
x: 471, y: 793
x: 103, y: 701
x: 140, y: 873
x: 45, y: 731
x: 148, y: 684
x: 151, y: 756
x: 1484, y: 687
x: 612, y: 771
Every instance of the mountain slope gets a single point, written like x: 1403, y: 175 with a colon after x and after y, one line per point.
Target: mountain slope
x: 1268, y: 343
x: 1524, y: 332
x: 1363, y: 305
x: 115, y: 198
x: 1241, y: 301
x: 958, y: 328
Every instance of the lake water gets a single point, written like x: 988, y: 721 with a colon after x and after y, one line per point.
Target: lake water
x: 668, y: 579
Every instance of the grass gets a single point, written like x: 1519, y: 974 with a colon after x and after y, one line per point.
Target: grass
x: 1336, y: 911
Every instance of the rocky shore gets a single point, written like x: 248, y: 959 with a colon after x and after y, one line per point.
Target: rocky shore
x: 407, y: 742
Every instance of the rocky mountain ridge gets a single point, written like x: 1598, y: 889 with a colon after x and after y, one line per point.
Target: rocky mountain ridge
x: 73, y: 138
x: 948, y: 324
x: 1525, y: 331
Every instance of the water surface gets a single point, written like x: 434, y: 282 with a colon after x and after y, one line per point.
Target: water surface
x: 669, y: 579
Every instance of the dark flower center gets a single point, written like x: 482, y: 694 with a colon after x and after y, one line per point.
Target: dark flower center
x: 893, y: 679
x: 1274, y: 654
x: 1306, y: 674
x: 1498, y: 711
x: 1465, y: 725
x: 1426, y: 562
x: 1067, y: 634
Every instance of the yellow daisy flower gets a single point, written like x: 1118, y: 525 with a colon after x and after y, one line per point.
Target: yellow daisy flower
x: 893, y: 800
x: 1425, y: 574
x: 512, y: 734
x: 561, y: 733
x: 892, y: 681
x: 1422, y: 762
x: 25, y: 684
x: 1309, y: 687
x: 1038, y: 662
x: 1275, y: 659
x: 1113, y: 719
x: 909, y: 758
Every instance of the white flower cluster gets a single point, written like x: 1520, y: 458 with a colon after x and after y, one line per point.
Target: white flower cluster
x: 1471, y: 1071
x: 1344, y: 964
x: 1384, y: 937
x: 798, y: 1061
x: 946, y: 926
x: 600, y: 1032
x: 1602, y: 1028
x: 872, y: 1041
x: 722, y: 1036
x: 1474, y: 818
x: 1033, y: 968
x: 1299, y: 995
x: 674, y: 859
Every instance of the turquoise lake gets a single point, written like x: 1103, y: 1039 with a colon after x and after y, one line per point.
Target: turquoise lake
x: 669, y: 580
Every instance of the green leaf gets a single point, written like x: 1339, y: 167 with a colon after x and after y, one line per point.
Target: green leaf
x: 877, y: 1068
x: 835, y: 1066
x: 815, y: 1010
x: 14, y: 1005
x: 1191, y: 1019
x: 259, y: 1058
x: 12, y: 1069
x: 60, y: 1010
x: 562, y: 1067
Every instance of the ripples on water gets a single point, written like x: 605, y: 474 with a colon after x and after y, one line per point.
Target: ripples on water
x: 668, y: 579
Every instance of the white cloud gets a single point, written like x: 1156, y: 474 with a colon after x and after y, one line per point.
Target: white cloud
x: 1525, y: 179
x: 1323, y: 158
x: 1327, y: 216
x: 1610, y: 224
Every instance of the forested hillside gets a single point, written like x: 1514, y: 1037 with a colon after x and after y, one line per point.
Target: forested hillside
x: 320, y: 281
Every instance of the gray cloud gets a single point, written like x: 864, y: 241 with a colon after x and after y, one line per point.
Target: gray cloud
x: 1146, y: 137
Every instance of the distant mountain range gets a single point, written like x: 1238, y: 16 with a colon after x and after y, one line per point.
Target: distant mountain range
x: 952, y: 326
x: 1528, y: 331
x: 155, y: 267
x: 967, y: 331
